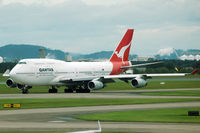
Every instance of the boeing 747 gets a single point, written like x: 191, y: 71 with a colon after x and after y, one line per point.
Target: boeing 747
x: 79, y: 76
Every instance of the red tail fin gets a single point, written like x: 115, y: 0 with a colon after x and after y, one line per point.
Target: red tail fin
x: 122, y: 51
x: 195, y: 71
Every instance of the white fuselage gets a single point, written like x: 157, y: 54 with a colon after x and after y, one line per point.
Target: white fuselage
x: 48, y: 71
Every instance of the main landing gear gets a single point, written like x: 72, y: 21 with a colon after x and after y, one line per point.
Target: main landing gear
x: 25, y: 89
x: 53, y: 90
x: 71, y: 89
x: 79, y: 89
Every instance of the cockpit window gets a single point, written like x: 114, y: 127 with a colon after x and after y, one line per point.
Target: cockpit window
x: 22, y: 62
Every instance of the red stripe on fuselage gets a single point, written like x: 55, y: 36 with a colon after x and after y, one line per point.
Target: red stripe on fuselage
x: 117, y: 67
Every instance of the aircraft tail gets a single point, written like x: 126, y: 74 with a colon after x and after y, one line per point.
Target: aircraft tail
x: 195, y: 71
x: 121, y: 53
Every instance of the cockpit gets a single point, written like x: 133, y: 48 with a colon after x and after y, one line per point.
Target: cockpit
x: 22, y: 62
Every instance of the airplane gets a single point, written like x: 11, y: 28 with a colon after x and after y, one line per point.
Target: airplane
x: 81, y: 77
x: 90, y: 131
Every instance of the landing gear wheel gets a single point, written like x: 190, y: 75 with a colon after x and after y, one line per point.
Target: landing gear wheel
x: 83, y: 91
x: 86, y: 89
x: 53, y: 90
x: 24, y: 91
x: 68, y: 91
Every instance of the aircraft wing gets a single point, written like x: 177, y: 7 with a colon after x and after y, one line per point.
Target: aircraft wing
x: 110, y: 78
x: 131, y: 76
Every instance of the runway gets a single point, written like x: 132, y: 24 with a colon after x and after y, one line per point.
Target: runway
x: 60, y: 119
x: 140, y: 127
x: 100, y: 94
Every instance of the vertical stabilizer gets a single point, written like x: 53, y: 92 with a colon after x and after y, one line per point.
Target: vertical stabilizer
x: 121, y: 53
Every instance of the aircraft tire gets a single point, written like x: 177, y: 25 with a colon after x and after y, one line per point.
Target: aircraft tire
x: 25, y: 91
x: 50, y: 90
x: 53, y: 91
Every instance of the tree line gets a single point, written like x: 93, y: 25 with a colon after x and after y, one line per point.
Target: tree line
x: 168, y: 66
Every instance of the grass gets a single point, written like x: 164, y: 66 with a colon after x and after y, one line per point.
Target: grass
x: 63, y: 102
x: 31, y: 132
x: 112, y: 86
x: 174, y: 93
x: 53, y: 132
x: 152, y: 115
x: 154, y: 85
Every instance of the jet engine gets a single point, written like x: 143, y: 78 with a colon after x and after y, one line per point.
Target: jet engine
x: 95, y: 85
x: 10, y: 83
x: 138, y: 83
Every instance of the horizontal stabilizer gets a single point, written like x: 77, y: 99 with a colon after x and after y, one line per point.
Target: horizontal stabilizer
x: 138, y: 65
x: 195, y: 71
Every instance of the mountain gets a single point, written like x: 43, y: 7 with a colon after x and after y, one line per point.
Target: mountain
x: 14, y: 52
x: 96, y: 55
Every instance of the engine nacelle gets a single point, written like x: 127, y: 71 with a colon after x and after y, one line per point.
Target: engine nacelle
x: 10, y: 83
x: 138, y: 83
x: 95, y: 85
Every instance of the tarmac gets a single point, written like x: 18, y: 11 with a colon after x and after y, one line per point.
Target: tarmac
x: 100, y: 94
x: 61, y: 119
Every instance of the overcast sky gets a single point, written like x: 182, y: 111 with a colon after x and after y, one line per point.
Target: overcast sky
x: 86, y: 26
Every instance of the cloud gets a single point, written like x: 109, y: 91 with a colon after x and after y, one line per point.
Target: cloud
x: 33, y: 2
x: 50, y: 56
x: 165, y: 51
x: 85, y: 26
x: 106, y: 2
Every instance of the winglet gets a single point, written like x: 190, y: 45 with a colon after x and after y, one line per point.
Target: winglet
x: 7, y: 73
x: 195, y: 71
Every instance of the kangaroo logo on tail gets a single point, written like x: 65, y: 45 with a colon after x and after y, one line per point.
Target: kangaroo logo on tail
x: 121, y: 53
x: 119, y: 57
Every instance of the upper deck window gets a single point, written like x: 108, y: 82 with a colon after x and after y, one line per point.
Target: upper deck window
x: 21, y: 62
